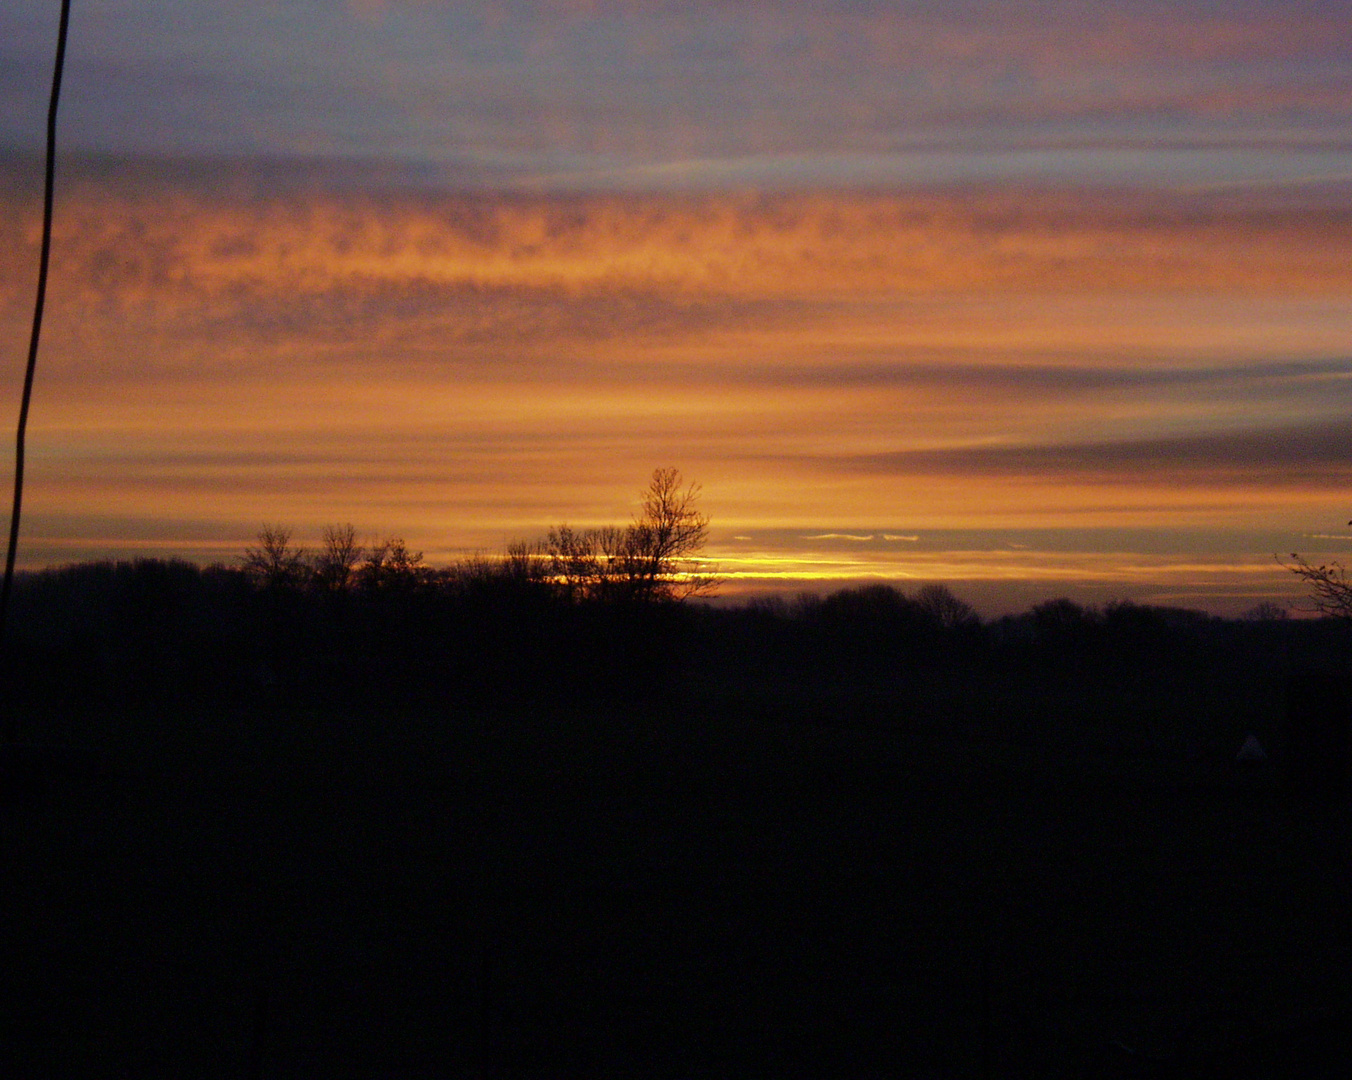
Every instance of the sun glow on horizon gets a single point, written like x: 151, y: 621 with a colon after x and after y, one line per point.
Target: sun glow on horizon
x: 1083, y: 267
x: 348, y: 374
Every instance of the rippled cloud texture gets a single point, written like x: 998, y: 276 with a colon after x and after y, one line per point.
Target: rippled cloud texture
x: 1035, y: 301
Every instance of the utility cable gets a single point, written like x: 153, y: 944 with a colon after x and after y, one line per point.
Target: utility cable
x: 44, y: 261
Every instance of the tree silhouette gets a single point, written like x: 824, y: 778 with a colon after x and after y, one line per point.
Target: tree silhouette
x: 585, y: 564
x: 1328, y: 584
x: 274, y: 563
x: 335, y: 565
x: 655, y: 558
x: 945, y: 609
x: 662, y: 546
x: 391, y: 567
x: 1330, y: 589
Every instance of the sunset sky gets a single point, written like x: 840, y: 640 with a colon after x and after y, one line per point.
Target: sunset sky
x: 1037, y: 299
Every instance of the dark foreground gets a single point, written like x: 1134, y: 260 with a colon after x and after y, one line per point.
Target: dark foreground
x: 646, y: 890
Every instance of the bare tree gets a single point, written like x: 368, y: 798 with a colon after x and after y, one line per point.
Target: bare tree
x: 945, y: 609
x: 524, y: 568
x: 335, y: 565
x: 573, y: 561
x: 274, y: 563
x: 588, y: 564
x: 655, y: 558
x: 663, y: 544
x: 390, y: 565
x: 524, y: 564
x: 1265, y: 612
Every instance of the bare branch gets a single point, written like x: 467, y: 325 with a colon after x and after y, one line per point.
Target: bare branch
x: 1328, y: 584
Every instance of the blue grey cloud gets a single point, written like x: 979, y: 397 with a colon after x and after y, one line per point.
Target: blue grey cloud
x: 707, y: 93
x: 1311, y: 455
x: 1330, y: 379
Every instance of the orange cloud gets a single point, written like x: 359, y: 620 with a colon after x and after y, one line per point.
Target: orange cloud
x: 122, y: 247
x: 466, y: 369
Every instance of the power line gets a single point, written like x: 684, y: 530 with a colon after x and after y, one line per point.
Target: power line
x: 45, y: 259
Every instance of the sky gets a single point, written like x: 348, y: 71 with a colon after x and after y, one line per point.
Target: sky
x: 1035, y: 300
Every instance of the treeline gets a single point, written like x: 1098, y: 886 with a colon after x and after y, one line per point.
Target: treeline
x: 654, y: 559
x: 493, y: 630
x: 287, y: 626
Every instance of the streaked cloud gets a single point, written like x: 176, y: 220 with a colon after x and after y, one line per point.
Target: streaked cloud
x: 323, y: 268
x: 639, y: 93
x: 912, y: 281
x: 838, y: 536
x: 1300, y: 456
x: 470, y: 368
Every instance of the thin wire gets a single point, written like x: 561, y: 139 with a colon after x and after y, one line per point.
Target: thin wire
x: 48, y: 192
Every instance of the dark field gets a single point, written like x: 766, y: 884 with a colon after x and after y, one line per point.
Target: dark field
x: 988, y: 864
